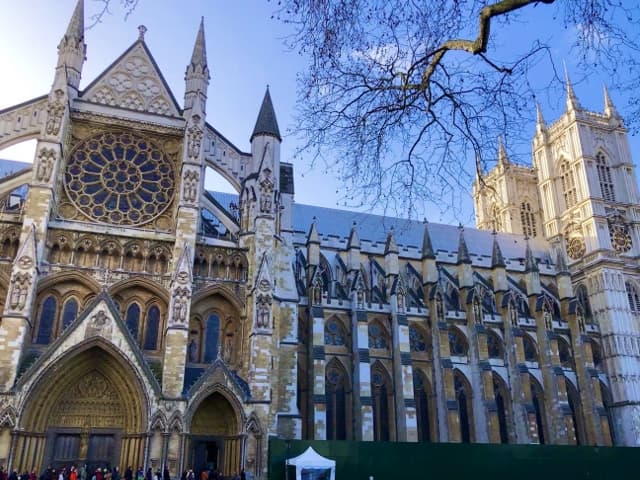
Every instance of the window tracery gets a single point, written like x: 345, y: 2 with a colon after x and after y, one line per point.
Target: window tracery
x: 334, y: 333
x: 377, y: 337
x: 528, y: 220
x: 604, y: 177
x: 417, y: 342
x: 494, y: 346
x: 457, y: 343
x: 632, y: 297
x: 119, y: 178
x: 568, y: 184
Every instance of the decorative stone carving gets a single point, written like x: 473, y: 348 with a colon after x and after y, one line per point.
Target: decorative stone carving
x: 100, y: 319
x: 263, y: 311
x: 266, y: 192
x: 180, y: 304
x: 46, y: 159
x: 190, y: 186
x: 194, y: 138
x: 20, y: 285
x: 55, y: 111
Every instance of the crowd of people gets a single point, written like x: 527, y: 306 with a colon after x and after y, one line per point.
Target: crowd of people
x: 88, y: 473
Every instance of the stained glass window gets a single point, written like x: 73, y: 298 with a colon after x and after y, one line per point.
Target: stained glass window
x: 376, y: 336
x: 530, y: 351
x: 416, y: 340
x: 47, y: 317
x: 133, y: 319
x: 457, y: 343
x: 334, y: 333
x: 494, y: 346
x: 70, y: 312
x: 152, y: 326
x: 211, y: 338
x: 119, y: 178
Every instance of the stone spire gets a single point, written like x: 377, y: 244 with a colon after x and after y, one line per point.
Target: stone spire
x: 530, y: 264
x: 427, y: 246
x: 502, y: 155
x: 353, y: 249
x: 354, y: 240
x: 390, y: 246
x: 609, y: 108
x: 72, y: 49
x: 463, y: 251
x: 266, y: 124
x: 391, y: 255
x: 497, y: 260
x: 572, y: 100
x: 541, y: 125
x: 197, y: 75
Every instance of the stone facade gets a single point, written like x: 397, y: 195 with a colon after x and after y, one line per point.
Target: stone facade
x: 149, y: 322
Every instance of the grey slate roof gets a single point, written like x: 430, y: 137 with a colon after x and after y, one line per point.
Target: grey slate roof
x: 266, y: 124
x: 336, y: 224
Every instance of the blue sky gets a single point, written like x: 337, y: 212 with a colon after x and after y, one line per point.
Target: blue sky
x: 245, y: 53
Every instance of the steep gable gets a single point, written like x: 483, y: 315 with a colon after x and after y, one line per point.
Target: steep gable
x: 133, y: 82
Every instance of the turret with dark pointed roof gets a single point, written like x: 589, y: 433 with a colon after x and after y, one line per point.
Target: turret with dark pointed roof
x: 497, y: 260
x: 427, y: 246
x: 266, y: 124
x: 463, y: 251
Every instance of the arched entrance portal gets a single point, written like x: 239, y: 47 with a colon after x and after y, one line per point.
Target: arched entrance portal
x: 90, y: 408
x: 216, y: 440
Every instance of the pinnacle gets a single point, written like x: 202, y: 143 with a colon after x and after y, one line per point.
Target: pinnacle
x: 266, y: 124
x: 199, y: 55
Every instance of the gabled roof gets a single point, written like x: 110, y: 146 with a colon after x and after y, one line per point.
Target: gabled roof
x: 133, y: 82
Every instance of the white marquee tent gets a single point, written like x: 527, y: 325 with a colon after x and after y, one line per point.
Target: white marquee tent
x: 310, y: 465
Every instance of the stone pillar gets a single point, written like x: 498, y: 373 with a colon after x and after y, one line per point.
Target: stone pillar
x: 361, y: 344
x: 405, y: 404
x: 319, y: 374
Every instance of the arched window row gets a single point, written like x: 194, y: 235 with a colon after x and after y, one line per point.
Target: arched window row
x: 144, y: 322
x: 54, y: 316
x: 213, y: 336
x: 220, y: 264
x: 111, y: 254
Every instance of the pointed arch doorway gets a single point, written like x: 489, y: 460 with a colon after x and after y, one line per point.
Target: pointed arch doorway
x: 216, y: 440
x: 88, y: 408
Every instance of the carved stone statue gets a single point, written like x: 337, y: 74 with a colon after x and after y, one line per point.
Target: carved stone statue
x: 190, y: 186
x: 19, y: 290
x: 46, y: 159
x: 263, y: 316
x: 194, y: 138
x: 55, y: 110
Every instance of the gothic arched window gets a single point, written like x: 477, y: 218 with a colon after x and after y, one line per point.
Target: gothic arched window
x: 212, y: 333
x: 537, y: 398
x: 336, y: 395
x: 564, y: 352
x: 583, y: 299
x: 416, y: 340
x: 133, y: 319
x: 47, y: 318
x: 334, y: 333
x: 151, y: 328
x: 382, y: 399
x: 421, y: 392
x: 576, y: 412
x: 496, y: 218
x: 632, y: 297
x: 69, y: 312
x: 604, y: 177
x: 530, y: 350
x: 501, y: 395
x: 458, y: 344
x: 568, y: 184
x: 528, y: 220
x: 494, y: 346
x: 465, y: 406
x: 377, y: 337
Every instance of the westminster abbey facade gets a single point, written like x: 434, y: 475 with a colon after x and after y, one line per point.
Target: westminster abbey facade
x: 149, y: 322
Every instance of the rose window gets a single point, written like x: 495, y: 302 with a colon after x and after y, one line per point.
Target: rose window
x: 119, y: 178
